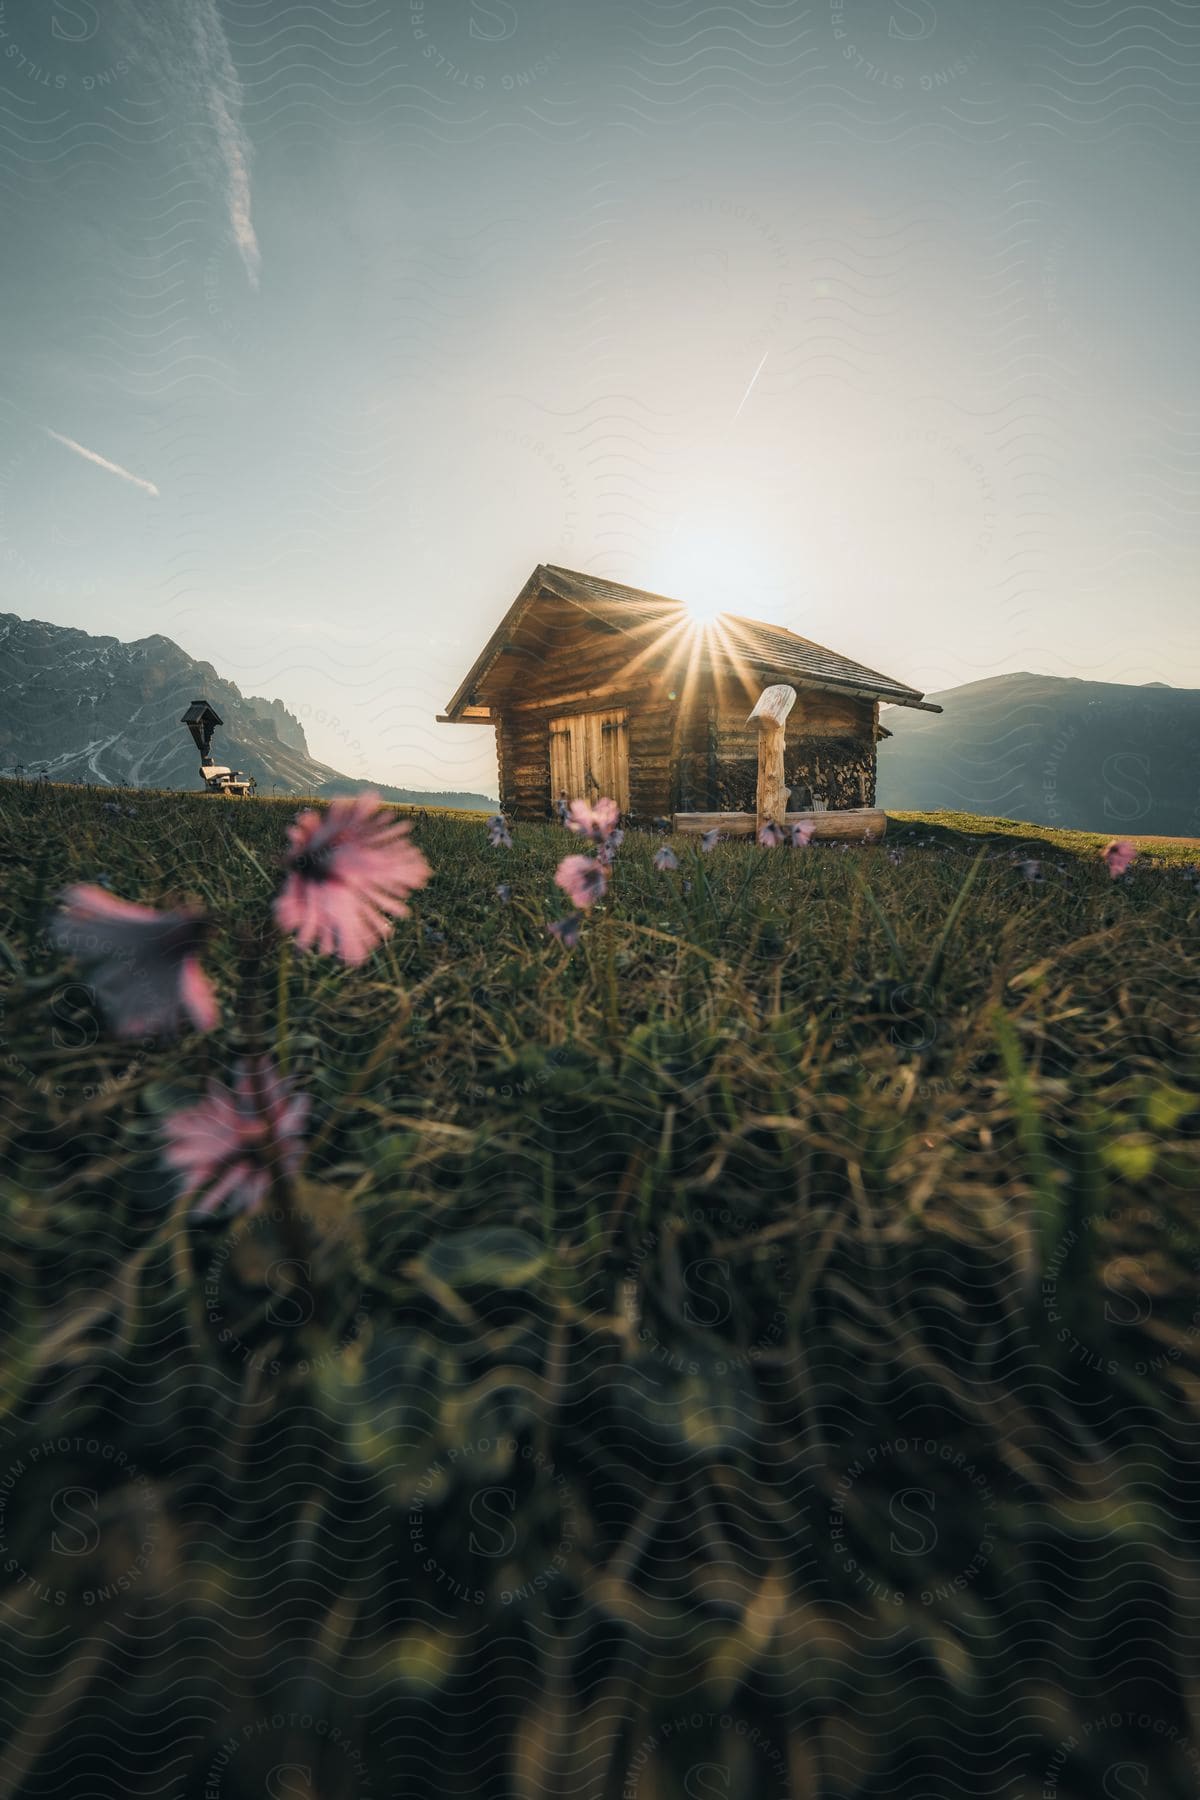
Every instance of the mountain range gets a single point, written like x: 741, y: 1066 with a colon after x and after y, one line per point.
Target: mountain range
x: 94, y: 709
x: 1051, y: 750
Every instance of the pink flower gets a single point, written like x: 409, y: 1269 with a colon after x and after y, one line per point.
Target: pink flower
x: 1119, y: 856
x: 233, y: 1143
x: 665, y: 859
x: 346, y: 872
x: 566, y: 930
x: 143, y: 965
x: 596, y: 822
x: 710, y: 840
x: 800, y: 833
x: 770, y: 836
x: 499, y: 834
x: 582, y: 879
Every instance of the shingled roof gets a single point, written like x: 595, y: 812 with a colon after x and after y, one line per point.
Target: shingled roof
x: 769, y: 649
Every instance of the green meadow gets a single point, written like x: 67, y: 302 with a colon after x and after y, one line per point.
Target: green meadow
x: 764, y: 1340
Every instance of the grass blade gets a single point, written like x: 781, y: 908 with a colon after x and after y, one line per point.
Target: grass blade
x: 884, y: 921
x: 933, y: 967
x: 1029, y: 1133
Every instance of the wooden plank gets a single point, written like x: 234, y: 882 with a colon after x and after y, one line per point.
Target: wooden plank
x: 861, y: 822
x: 593, y: 765
x: 534, y: 702
x: 614, y: 755
x: 563, y: 759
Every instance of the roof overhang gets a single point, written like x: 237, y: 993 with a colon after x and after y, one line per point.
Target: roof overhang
x: 463, y: 709
x: 916, y: 705
x: 456, y: 710
x: 884, y: 696
x: 469, y: 715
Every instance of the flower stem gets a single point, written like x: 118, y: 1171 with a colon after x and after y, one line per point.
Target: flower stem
x: 283, y: 978
x: 250, y: 995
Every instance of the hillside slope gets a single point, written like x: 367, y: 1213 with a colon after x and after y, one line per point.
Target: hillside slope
x: 1083, y: 755
x: 93, y: 709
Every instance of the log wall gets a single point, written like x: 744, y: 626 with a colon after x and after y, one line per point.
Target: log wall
x: 578, y: 668
x: 829, y: 754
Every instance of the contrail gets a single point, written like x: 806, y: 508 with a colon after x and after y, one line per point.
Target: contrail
x: 753, y: 379
x: 102, y: 462
x: 219, y: 79
x: 185, y: 48
x: 238, y: 187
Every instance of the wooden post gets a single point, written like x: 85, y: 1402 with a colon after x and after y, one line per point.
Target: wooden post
x: 773, y: 706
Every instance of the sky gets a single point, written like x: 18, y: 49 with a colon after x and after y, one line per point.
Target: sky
x: 322, y: 324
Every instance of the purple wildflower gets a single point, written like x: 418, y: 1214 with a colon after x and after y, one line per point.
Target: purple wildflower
x: 566, y: 930
x: 610, y: 846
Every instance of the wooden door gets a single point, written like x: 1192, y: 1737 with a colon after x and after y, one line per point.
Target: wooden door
x: 589, y: 756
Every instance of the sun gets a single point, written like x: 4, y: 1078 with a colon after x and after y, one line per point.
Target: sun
x: 704, y: 566
x: 705, y: 608
x: 717, y: 569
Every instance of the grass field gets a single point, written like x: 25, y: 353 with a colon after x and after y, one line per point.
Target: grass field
x: 755, y: 1353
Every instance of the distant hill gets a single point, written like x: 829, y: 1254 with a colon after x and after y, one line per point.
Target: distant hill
x: 94, y: 709
x: 1083, y: 755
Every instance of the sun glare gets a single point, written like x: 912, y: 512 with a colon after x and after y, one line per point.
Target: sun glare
x: 706, y: 569
x: 704, y: 608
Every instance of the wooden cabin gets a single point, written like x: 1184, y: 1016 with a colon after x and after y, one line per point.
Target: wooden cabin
x: 595, y: 688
